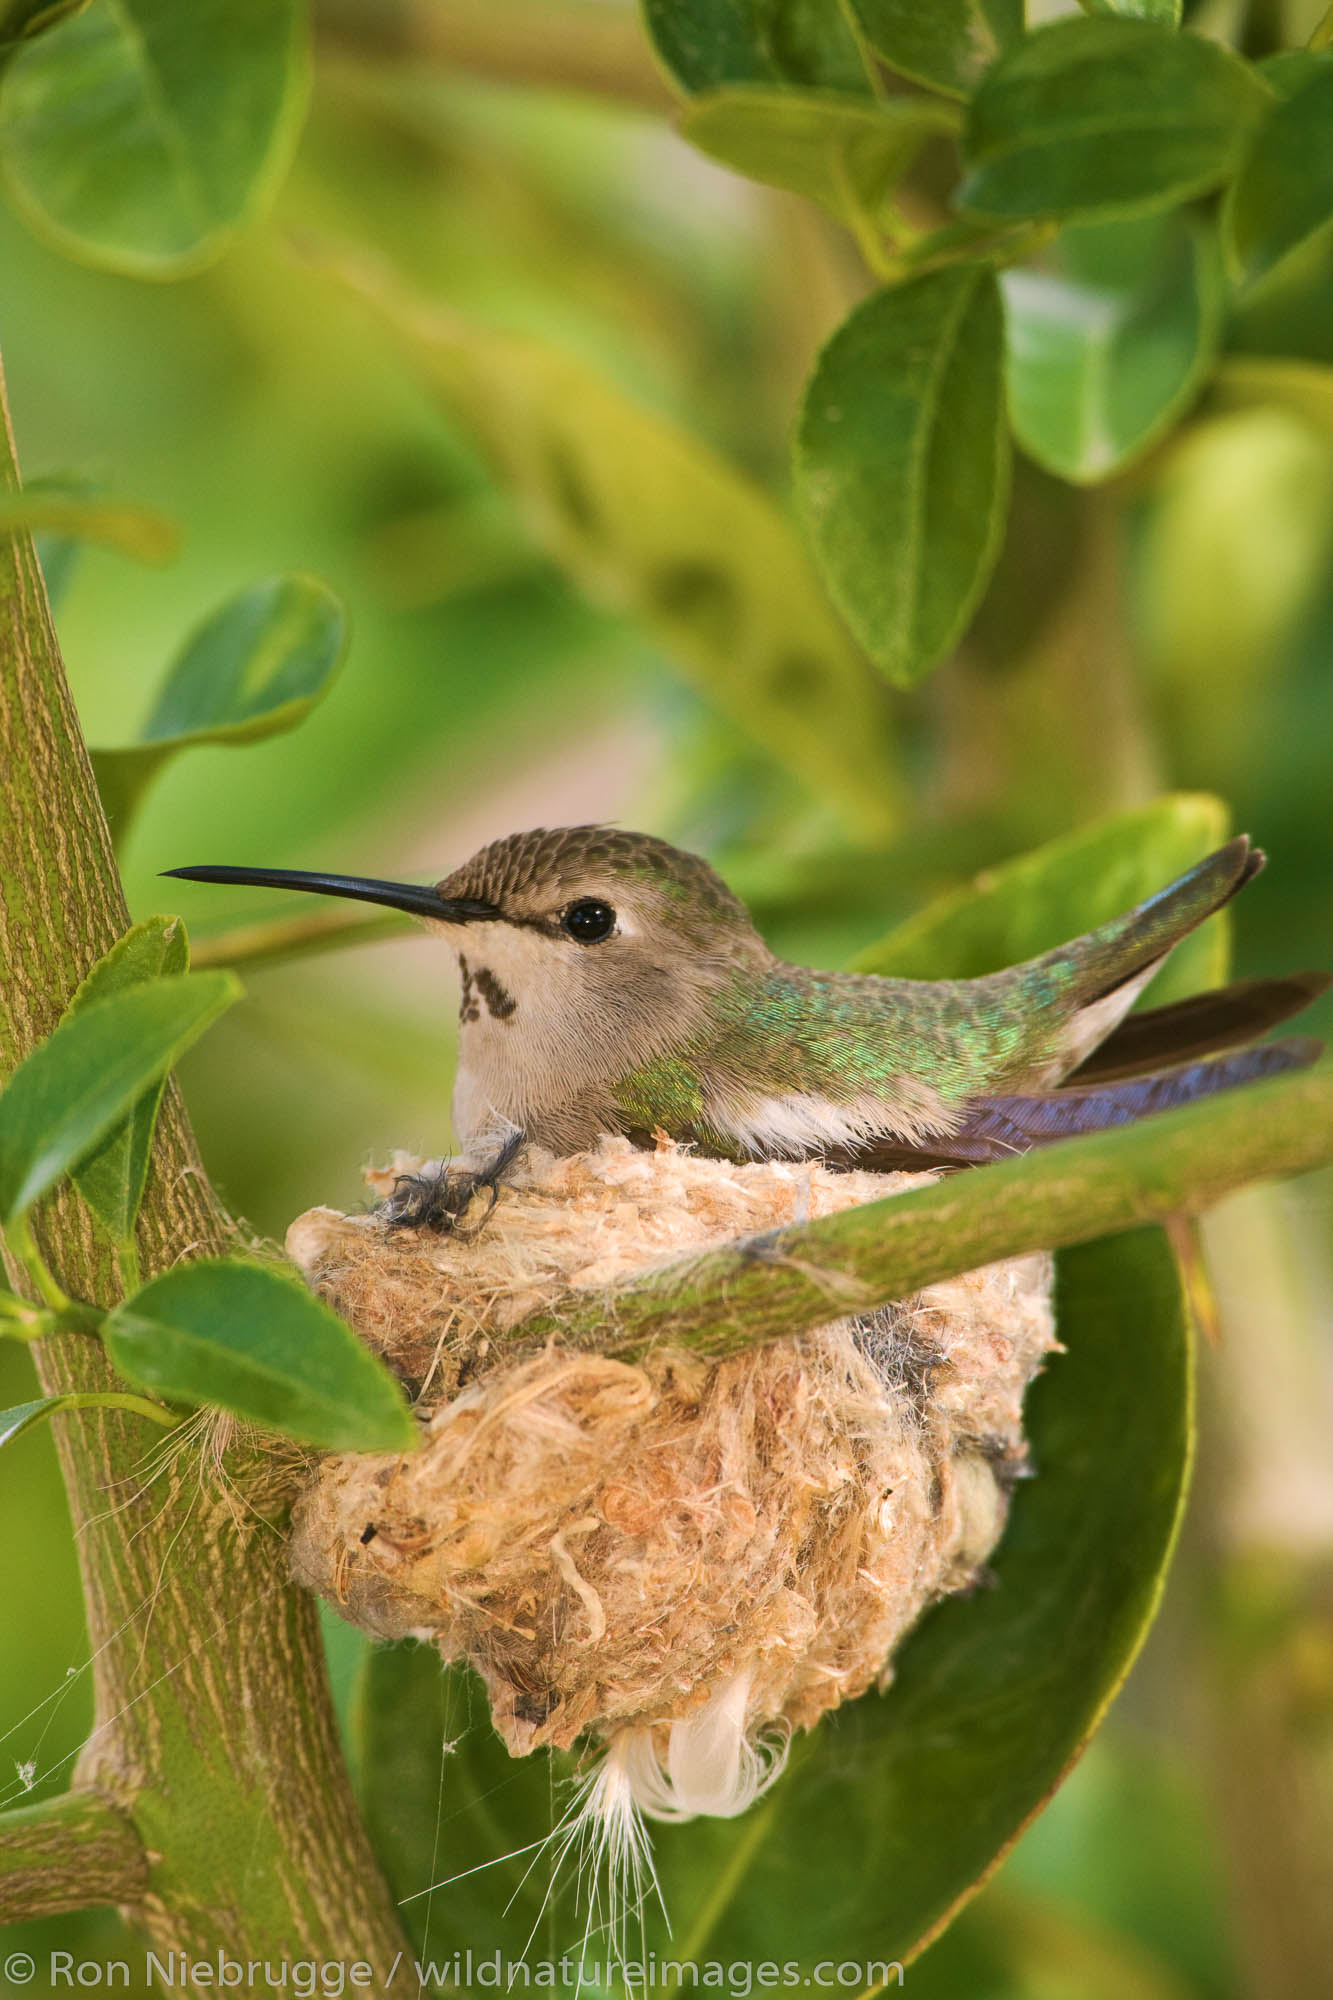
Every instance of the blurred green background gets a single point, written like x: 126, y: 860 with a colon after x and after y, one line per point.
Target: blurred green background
x: 1170, y: 631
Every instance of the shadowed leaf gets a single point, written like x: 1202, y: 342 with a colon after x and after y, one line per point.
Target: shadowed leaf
x: 1101, y: 117
x: 804, y: 42
x: 442, y: 1797
x: 21, y: 18
x: 902, y: 463
x: 1284, y: 190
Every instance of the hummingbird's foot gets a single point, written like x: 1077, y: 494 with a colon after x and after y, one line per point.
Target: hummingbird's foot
x: 441, y: 1198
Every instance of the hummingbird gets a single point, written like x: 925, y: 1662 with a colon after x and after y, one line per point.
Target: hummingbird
x: 612, y: 983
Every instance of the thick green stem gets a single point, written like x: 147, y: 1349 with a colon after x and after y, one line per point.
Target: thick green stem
x: 1180, y: 1162
x: 214, y: 1732
x: 68, y: 1854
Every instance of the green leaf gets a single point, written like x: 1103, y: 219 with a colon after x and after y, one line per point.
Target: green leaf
x: 442, y: 1796
x: 1068, y: 886
x: 140, y: 141
x: 111, y: 1178
x: 1166, y: 12
x: 44, y: 508
x: 946, y: 44
x: 21, y: 18
x: 1289, y: 70
x: 1095, y: 374
x: 256, y: 667
x: 254, y: 1341
x: 650, y: 523
x: 1284, y: 190
x: 1104, y: 117
x: 846, y: 155
x: 994, y: 1695
x: 709, y: 42
x: 902, y: 463
x: 893, y: 1811
x: 26, y: 1416
x: 77, y: 1085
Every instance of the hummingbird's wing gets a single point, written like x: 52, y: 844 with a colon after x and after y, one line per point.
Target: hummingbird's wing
x: 996, y: 1127
x: 1205, y: 1024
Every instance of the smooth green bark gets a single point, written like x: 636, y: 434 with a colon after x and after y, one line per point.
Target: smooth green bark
x: 214, y: 1734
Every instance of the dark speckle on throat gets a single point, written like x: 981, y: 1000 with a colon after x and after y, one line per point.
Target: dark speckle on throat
x: 500, y: 1002
x: 469, y: 1008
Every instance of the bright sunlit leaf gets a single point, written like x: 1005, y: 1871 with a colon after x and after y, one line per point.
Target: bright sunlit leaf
x: 256, y: 667
x: 844, y: 154
x: 111, y: 1178
x: 1097, y: 373
x: 255, y: 1342
x: 81, y: 1082
x: 945, y: 45
x: 1167, y: 12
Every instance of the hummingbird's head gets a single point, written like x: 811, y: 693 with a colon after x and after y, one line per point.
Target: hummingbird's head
x: 601, y: 892
x: 605, y: 940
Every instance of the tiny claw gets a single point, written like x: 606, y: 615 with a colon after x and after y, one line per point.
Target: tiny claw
x: 439, y: 1200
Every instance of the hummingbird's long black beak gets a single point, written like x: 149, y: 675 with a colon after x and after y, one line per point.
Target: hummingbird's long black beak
x: 417, y: 900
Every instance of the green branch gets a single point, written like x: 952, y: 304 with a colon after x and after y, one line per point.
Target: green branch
x: 789, y: 1280
x: 65, y: 1854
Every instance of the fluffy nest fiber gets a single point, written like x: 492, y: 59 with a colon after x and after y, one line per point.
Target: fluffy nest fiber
x: 650, y: 1546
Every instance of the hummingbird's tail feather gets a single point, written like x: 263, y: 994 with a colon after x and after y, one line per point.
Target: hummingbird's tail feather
x: 1090, y: 983
x: 996, y: 1127
x: 1129, y: 947
x: 1205, y: 1024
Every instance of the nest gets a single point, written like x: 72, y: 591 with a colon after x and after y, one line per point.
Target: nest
x: 670, y: 1551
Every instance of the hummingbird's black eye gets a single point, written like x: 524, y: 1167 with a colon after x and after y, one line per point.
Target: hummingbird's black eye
x: 589, y: 920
